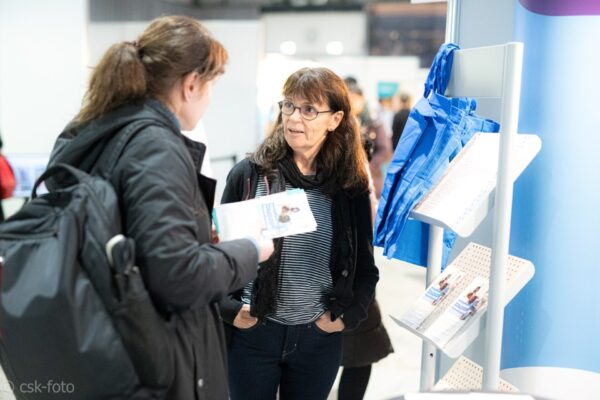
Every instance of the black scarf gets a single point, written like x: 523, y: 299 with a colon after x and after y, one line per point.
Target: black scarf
x: 264, y: 292
x: 292, y: 174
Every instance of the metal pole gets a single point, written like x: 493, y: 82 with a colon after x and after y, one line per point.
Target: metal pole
x: 434, y: 267
x: 429, y: 354
x: 502, y: 216
x: 452, y: 21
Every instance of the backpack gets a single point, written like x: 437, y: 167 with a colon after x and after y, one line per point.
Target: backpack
x: 7, y: 179
x: 75, y: 318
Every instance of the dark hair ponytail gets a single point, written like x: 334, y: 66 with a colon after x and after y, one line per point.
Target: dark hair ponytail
x: 169, y: 48
x: 119, y: 78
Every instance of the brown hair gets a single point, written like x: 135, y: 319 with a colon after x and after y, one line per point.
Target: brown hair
x: 169, y: 48
x: 342, y: 157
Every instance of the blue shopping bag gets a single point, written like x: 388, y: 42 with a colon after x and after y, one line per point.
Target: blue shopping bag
x: 437, y: 129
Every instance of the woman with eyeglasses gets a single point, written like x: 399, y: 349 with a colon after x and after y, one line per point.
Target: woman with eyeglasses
x: 285, y: 326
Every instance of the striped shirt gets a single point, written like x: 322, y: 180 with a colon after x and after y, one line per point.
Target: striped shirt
x: 304, y: 281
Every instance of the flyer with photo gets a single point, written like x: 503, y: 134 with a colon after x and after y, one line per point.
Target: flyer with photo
x: 470, y: 301
x: 434, y: 295
x: 276, y: 215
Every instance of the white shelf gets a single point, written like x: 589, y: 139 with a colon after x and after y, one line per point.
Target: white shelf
x: 465, y: 193
x: 466, y: 375
x: 474, y: 261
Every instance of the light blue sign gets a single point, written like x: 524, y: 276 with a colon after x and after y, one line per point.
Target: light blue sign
x: 555, y: 321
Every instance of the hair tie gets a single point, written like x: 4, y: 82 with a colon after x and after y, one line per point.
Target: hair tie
x: 135, y: 44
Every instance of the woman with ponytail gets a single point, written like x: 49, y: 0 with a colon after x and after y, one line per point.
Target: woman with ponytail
x: 162, y: 84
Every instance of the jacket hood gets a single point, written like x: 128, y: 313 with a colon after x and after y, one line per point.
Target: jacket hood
x: 80, y: 145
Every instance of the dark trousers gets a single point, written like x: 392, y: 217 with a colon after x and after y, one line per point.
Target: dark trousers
x: 301, y: 360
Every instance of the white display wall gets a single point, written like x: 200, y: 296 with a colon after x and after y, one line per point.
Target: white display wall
x: 43, y: 50
x: 42, y: 70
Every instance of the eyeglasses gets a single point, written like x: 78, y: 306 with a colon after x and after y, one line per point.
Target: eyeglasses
x: 307, y: 111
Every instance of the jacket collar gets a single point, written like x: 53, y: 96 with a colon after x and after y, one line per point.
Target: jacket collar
x: 164, y: 112
x: 197, y: 151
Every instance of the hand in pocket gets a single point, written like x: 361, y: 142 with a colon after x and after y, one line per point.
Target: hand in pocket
x: 325, y: 323
x: 243, y: 320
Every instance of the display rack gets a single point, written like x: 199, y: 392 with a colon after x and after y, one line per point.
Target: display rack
x: 478, y: 180
x: 465, y: 194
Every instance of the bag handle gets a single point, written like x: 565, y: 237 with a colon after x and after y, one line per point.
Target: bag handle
x: 439, y: 74
x: 120, y: 252
x: 55, y: 169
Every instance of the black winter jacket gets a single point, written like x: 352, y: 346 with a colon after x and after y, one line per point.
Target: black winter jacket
x: 165, y: 205
x: 356, y: 284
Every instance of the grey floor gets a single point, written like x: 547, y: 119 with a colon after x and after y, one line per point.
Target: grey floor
x: 399, y: 286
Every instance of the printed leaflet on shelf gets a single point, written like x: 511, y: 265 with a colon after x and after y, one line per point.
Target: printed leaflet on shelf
x: 439, y: 320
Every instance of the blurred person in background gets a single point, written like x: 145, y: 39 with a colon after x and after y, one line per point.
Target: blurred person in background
x: 373, y: 132
x: 286, y: 327
x: 8, y: 182
x: 400, y: 118
x: 386, y: 112
x: 386, y: 104
x: 1, y: 208
x: 370, y: 342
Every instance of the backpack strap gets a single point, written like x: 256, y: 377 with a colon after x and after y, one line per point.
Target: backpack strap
x: 103, y: 165
x: 115, y: 147
x: 76, y: 174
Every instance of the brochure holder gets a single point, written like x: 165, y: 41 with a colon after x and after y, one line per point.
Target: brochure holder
x: 463, y: 197
x: 465, y: 194
x: 433, y: 316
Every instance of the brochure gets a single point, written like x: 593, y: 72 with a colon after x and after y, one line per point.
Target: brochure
x: 276, y: 215
x: 468, y: 303
x: 446, y: 306
x: 433, y: 296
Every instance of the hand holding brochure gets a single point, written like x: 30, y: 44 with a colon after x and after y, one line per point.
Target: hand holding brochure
x: 276, y: 215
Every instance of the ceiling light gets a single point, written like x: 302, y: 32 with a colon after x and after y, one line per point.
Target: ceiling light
x: 288, y: 48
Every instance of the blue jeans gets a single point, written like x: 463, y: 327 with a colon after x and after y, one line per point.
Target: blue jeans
x: 301, y: 360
